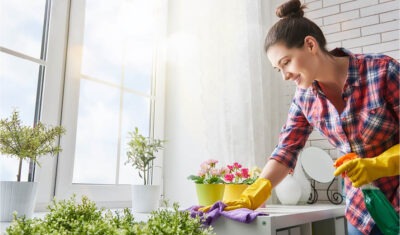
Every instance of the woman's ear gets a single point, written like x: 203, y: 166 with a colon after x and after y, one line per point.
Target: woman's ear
x: 311, y: 44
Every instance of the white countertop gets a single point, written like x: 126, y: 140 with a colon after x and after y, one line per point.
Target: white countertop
x: 279, y: 217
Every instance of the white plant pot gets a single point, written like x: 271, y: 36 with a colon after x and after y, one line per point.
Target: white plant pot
x: 17, y: 196
x: 145, y: 198
x: 288, y: 191
x: 305, y: 185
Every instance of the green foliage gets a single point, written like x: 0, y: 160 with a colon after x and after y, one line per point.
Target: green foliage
x: 175, y: 222
x: 203, y: 180
x: 209, y: 173
x: 141, y: 153
x: 26, y: 142
x: 68, y: 217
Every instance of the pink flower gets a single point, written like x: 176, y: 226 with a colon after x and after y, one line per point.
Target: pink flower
x: 237, y: 165
x: 204, y: 166
x: 245, y: 173
x: 238, y: 174
x: 215, y: 172
x: 225, y: 170
x: 201, y: 173
x: 229, y: 177
x: 208, y: 173
x: 211, y: 162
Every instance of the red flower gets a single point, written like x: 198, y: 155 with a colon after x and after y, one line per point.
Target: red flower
x: 229, y: 177
x: 245, y: 173
x: 237, y: 165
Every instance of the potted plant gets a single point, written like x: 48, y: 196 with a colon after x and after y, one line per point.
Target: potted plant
x: 24, y: 143
x: 74, y: 217
x: 141, y: 154
x: 209, y: 184
x: 237, y: 180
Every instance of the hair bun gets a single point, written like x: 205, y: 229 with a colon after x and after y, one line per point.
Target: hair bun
x: 291, y: 8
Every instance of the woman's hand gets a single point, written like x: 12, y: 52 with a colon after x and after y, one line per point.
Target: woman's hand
x: 365, y: 170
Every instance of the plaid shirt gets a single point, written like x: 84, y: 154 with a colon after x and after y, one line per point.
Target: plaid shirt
x: 368, y: 125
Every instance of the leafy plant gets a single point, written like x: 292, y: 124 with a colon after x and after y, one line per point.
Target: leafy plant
x: 27, y: 142
x: 241, y: 175
x: 69, y: 217
x: 175, y: 222
x: 209, y: 173
x: 235, y: 173
x: 141, y: 153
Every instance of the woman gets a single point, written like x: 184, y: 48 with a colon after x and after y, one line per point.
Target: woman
x: 351, y: 99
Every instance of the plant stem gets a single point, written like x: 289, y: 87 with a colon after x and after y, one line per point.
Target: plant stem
x: 19, y: 170
x: 144, y: 176
x: 151, y: 173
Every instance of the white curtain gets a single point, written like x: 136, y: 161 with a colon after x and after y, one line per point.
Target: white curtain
x: 218, y: 89
x: 219, y: 43
x: 232, y: 98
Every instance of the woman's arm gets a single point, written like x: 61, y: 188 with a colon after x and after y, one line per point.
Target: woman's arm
x: 275, y: 172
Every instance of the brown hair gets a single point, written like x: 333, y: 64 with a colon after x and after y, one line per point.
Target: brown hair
x: 292, y: 28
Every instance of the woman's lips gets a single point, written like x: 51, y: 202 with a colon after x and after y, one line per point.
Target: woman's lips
x: 297, y: 80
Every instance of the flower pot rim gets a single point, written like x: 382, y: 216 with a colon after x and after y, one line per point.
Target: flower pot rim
x: 237, y: 184
x: 13, y: 181
x: 210, y: 184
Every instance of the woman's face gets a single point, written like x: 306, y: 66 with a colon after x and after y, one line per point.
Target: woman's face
x: 296, y: 64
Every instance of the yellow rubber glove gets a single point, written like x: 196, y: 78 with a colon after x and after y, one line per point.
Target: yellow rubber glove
x: 365, y: 170
x: 251, y: 198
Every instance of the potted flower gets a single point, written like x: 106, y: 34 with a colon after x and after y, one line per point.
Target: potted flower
x: 24, y: 143
x: 141, y: 154
x: 237, y: 179
x: 209, y: 184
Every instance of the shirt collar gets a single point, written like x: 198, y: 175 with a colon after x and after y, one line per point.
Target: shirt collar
x: 353, y: 73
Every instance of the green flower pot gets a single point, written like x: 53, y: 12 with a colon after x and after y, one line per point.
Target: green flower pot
x: 208, y: 194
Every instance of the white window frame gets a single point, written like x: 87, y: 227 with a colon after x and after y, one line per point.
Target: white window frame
x: 110, y: 196
x: 52, y: 95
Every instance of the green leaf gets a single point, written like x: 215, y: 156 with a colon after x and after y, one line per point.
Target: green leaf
x: 141, y: 153
x: 27, y: 142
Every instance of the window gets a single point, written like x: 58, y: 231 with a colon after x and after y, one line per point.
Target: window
x: 112, y: 85
x: 23, y: 44
x: 95, y: 67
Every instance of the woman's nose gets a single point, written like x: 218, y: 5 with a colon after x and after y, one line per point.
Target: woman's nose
x: 285, y: 75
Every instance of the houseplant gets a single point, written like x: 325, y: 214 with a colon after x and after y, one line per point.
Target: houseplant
x: 237, y: 180
x: 209, y: 184
x: 72, y: 217
x: 25, y: 143
x: 141, y: 154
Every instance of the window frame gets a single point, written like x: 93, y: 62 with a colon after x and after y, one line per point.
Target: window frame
x: 105, y: 195
x: 52, y: 95
x: 54, y: 176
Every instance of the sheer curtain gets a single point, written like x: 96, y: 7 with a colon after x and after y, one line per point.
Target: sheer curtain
x: 232, y: 98
x: 218, y: 89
